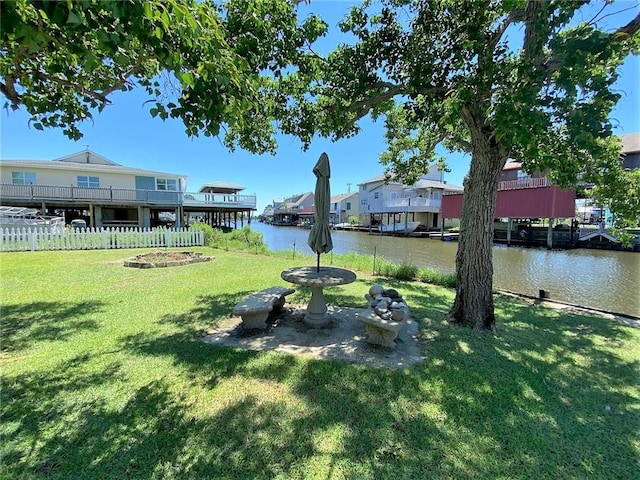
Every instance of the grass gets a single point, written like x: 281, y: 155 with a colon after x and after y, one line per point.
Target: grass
x: 104, y: 376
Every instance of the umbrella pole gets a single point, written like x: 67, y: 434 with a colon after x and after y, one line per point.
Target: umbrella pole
x: 318, y: 267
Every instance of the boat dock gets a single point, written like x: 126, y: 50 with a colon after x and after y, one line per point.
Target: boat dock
x: 534, y: 236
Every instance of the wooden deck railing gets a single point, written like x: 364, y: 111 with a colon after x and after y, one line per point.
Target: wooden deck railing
x: 524, y: 183
x: 123, y: 196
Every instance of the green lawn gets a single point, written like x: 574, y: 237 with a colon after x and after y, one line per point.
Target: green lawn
x: 104, y: 375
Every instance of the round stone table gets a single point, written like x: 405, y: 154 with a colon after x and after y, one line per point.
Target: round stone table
x: 317, y: 315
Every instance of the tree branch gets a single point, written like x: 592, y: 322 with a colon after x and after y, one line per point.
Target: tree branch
x: 513, y: 17
x: 8, y: 90
x: 362, y: 108
x: 72, y: 86
x: 532, y: 47
x: 630, y: 28
x: 123, y: 78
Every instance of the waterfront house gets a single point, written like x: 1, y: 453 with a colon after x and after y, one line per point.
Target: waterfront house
x: 386, y: 201
x: 88, y: 186
x: 267, y: 214
x: 288, y: 211
x: 343, y: 206
x: 220, y: 204
x: 523, y: 197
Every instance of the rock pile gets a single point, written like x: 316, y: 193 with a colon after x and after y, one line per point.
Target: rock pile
x: 387, y: 304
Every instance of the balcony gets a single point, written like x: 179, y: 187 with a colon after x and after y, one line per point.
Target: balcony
x: 221, y: 200
x: 412, y: 204
x: 524, y: 183
x: 59, y: 194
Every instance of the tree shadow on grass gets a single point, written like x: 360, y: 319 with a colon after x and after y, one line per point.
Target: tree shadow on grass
x: 517, y: 404
x: 25, y: 324
x: 554, y: 382
x: 548, y: 392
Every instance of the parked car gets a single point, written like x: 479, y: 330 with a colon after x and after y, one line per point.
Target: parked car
x: 78, y: 223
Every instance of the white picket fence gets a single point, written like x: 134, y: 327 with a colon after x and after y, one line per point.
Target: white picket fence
x: 23, y: 239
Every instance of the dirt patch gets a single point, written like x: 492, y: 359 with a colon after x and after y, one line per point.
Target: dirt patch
x: 165, y: 259
x: 344, y: 338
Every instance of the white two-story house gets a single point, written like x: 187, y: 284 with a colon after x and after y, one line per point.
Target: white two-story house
x: 104, y: 193
x: 383, y: 201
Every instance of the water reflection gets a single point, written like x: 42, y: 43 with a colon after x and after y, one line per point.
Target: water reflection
x: 596, y: 278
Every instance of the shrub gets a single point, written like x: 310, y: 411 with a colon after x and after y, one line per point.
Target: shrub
x: 208, y: 232
x: 384, y: 268
x: 429, y: 275
x: 406, y: 271
x: 245, y: 239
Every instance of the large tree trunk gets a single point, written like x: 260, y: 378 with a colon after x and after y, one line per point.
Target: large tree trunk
x: 473, y: 305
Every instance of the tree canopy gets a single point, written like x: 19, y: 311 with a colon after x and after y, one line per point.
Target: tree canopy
x: 498, y: 79
x: 198, y: 61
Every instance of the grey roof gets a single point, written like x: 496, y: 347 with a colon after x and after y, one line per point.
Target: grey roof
x: 378, y: 178
x: 87, y: 156
x: 342, y: 196
x: 512, y: 165
x: 296, y: 200
x: 226, y: 186
x: 630, y: 143
x: 422, y: 183
x: 89, y: 167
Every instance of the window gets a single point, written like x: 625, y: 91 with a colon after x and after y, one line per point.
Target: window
x: 166, y: 184
x: 348, y: 205
x: 88, y: 182
x: 376, y: 195
x: 23, y: 178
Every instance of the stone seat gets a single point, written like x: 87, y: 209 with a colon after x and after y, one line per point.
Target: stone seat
x: 380, y: 331
x: 255, y: 309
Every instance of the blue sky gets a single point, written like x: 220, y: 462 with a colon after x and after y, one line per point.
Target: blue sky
x: 125, y: 133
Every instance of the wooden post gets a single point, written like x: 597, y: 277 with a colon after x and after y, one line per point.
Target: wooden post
x: 509, y: 225
x: 550, y: 234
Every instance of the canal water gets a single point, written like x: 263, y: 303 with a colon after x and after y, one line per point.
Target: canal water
x: 602, y: 279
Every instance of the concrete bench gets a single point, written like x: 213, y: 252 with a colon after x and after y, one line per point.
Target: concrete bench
x: 255, y: 309
x: 380, y: 331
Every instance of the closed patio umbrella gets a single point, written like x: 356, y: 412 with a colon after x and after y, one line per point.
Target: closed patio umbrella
x: 320, y: 234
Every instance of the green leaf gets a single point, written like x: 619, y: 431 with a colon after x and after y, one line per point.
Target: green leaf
x: 73, y: 19
x: 148, y: 12
x: 186, y: 78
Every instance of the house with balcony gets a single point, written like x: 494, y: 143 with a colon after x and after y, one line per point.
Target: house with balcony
x: 523, y: 197
x: 88, y: 186
x: 289, y: 211
x: 384, y: 201
x: 220, y: 204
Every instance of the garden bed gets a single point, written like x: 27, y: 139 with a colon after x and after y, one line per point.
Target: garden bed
x: 165, y: 259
